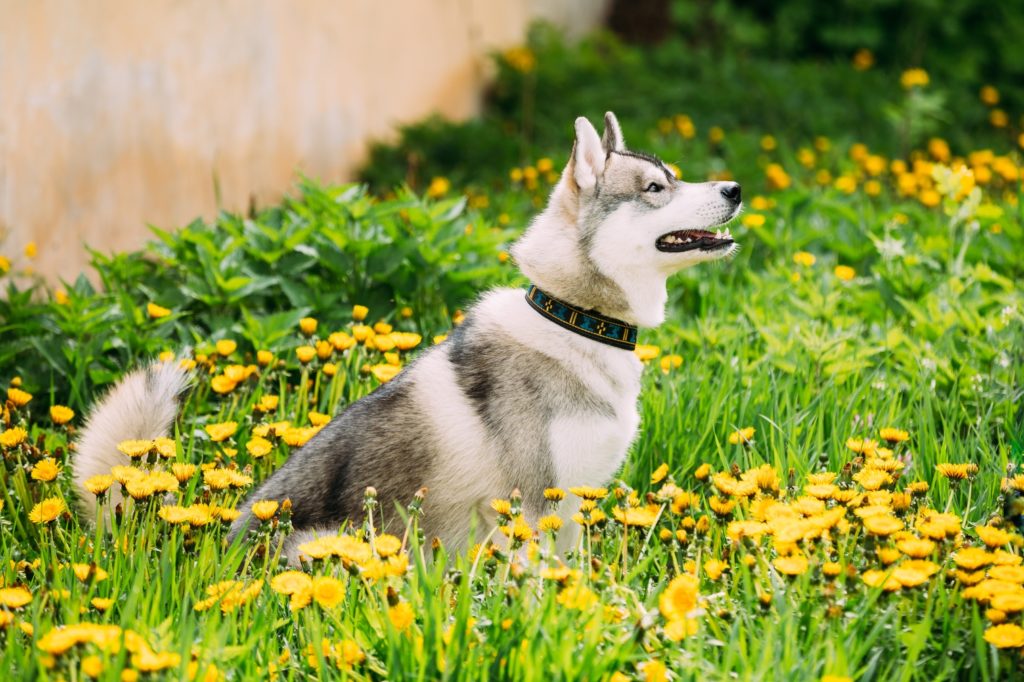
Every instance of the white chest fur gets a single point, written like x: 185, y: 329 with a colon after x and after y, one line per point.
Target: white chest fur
x: 587, y: 447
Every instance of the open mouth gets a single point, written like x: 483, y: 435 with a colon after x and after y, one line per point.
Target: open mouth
x: 688, y: 240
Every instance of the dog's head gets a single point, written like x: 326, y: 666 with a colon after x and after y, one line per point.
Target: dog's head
x: 619, y: 224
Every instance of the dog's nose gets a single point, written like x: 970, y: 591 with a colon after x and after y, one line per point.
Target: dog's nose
x: 731, y: 191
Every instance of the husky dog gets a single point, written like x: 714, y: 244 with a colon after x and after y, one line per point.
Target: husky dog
x: 529, y: 392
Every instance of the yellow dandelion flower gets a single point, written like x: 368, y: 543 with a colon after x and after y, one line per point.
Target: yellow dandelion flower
x: 341, y: 341
x: 258, y: 447
x: 744, y: 436
x: 222, y: 431
x: 844, y: 273
x: 15, y: 597
x: 594, y: 517
x: 993, y: 537
x: 670, y: 362
x: 140, y: 488
x: 882, y: 524
x: 18, y: 397
x: 795, y: 564
x: 45, y: 470
x: 297, y: 437
x: 85, y: 572
x: 225, y: 347
x: 872, y: 479
x: 753, y: 220
x: 554, y: 494
x: 328, y: 592
x: 222, y: 384
x: 135, y: 448
x: 12, y: 437
x: 577, y: 596
x: 387, y: 545
x: 264, y: 510
x: 1010, y: 574
x: 1011, y: 602
x: 307, y: 326
x: 589, y: 493
x: 318, y: 418
x: 405, y: 341
x: 156, y: 312
x: 989, y: 95
x: 916, y: 548
x: 863, y: 60
x: 721, y: 506
x: 267, y: 403
x: 957, y: 472
x: 101, y: 603
x: 174, y: 514
x: 324, y: 350
x: 680, y: 597
x: 831, y: 569
x: 804, y: 258
x: 98, y: 484
x: 659, y: 474
x: 882, y: 579
x: 291, y: 582
x: 892, y: 435
x: 439, y: 186
x: 643, y: 517
x: 914, y: 78
x: 1007, y: 636
x: 972, y: 558
x: 384, y: 372
x: 549, y: 524
x: 47, y: 510
x: 349, y: 654
x: 183, y: 471
x: 59, y: 414
x: 401, y: 616
x: 646, y: 353
x: 305, y: 354
x: 822, y: 491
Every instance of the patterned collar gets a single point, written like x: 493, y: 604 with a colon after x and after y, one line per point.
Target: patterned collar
x: 587, y: 323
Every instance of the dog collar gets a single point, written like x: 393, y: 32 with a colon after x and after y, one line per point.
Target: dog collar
x: 586, y: 323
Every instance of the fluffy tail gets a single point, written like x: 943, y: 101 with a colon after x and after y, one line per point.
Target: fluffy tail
x: 141, y: 406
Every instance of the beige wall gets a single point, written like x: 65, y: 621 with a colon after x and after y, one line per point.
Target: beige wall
x: 119, y: 113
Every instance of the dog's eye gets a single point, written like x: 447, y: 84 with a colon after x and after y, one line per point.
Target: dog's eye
x: 653, y: 187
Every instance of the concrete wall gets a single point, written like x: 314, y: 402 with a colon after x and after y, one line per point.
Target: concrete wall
x: 119, y: 113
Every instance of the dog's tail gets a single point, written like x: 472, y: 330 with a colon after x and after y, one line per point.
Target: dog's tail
x: 142, y: 405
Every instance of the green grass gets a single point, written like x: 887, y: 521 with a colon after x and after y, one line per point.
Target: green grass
x: 927, y: 336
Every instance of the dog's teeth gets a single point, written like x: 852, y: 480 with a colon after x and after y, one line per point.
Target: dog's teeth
x: 728, y: 234
x: 718, y: 234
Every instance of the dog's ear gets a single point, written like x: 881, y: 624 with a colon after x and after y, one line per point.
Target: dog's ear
x: 612, y: 139
x: 587, y: 155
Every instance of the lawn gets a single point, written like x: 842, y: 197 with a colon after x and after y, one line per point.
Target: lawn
x: 827, y: 483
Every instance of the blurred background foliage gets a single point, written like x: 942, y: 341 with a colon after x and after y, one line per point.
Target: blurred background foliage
x: 779, y: 66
